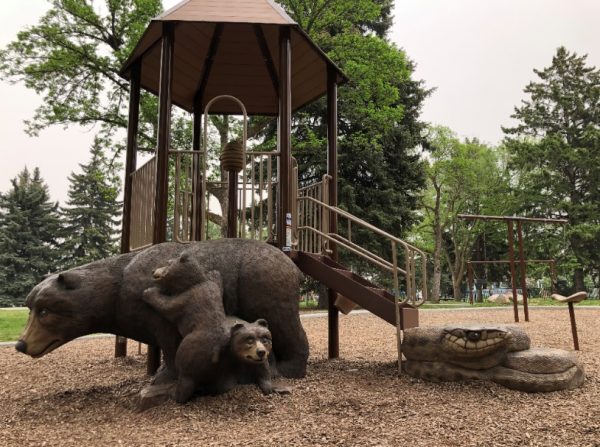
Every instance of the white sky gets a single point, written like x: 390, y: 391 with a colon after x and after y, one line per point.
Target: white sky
x: 479, y: 54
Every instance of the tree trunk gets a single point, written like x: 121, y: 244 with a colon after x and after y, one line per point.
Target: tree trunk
x: 456, y: 289
x: 578, y: 280
x: 437, y: 252
x: 323, y: 297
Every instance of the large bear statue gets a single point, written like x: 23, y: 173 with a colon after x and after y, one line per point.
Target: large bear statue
x: 259, y: 281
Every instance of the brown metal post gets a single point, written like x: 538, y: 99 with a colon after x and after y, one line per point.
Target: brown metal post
x: 332, y: 169
x: 197, y: 171
x: 511, y: 258
x: 470, y: 281
x: 232, y: 192
x: 553, y: 278
x: 523, y: 270
x: 162, y: 158
x: 130, y: 167
x: 573, y: 325
x: 285, y: 131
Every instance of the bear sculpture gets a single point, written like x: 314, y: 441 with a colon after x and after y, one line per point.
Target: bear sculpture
x: 259, y: 281
x: 191, y: 299
x: 245, y: 357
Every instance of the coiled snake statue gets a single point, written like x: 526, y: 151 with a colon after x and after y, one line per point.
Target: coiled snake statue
x: 501, y: 354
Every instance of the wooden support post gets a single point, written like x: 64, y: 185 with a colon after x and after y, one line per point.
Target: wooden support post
x: 523, y: 270
x: 130, y: 167
x: 285, y: 131
x: 162, y: 157
x: 511, y: 258
x: 197, y: 172
x: 332, y: 170
x: 573, y: 325
x: 470, y: 281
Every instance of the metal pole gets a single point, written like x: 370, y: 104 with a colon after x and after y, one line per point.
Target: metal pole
x: 332, y: 169
x: 162, y: 158
x: 470, y: 281
x: 573, y: 325
x: 232, y: 210
x: 130, y: 167
x: 197, y: 171
x: 523, y: 270
x: 513, y: 279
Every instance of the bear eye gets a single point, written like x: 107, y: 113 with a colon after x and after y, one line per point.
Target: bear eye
x: 266, y: 340
x: 43, y: 313
x: 249, y: 340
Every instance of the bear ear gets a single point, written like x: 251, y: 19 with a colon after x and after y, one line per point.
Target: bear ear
x: 69, y: 280
x: 236, y: 327
x: 262, y: 322
x: 185, y: 257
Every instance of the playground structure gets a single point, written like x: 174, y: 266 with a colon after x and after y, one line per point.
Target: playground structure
x: 251, y: 57
x: 510, y: 220
x: 470, y: 274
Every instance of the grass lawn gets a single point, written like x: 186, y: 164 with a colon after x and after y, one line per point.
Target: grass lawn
x: 12, y: 322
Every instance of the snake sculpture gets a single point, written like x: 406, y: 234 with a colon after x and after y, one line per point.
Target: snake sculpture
x: 501, y: 354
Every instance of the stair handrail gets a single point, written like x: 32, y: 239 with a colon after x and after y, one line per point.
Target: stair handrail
x: 410, y: 250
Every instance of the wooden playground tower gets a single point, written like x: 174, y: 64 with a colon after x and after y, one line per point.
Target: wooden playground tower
x: 248, y: 57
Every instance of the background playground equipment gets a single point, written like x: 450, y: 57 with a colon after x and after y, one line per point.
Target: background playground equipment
x: 511, y: 251
x: 263, y: 62
x: 470, y: 274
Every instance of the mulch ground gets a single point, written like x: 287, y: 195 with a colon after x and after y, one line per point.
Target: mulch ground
x: 80, y: 395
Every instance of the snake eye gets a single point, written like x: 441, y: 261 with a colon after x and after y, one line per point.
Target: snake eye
x: 474, y: 335
x: 42, y: 313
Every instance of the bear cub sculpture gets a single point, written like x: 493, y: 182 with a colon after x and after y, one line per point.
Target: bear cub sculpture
x: 193, y: 300
x: 245, y: 359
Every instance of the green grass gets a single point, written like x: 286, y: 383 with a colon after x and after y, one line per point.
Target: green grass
x: 531, y: 302
x: 12, y: 323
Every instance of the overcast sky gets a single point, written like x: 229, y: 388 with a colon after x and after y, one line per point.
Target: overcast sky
x: 478, y: 54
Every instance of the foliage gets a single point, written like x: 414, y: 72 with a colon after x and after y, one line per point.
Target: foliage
x: 555, y: 152
x: 380, y: 173
x: 29, y: 225
x: 464, y: 177
x: 91, y: 216
x: 72, y: 58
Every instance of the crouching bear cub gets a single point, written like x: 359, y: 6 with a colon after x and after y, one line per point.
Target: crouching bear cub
x: 193, y: 300
x: 216, y: 351
x: 245, y: 359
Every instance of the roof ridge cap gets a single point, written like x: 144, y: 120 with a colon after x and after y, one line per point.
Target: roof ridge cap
x: 279, y: 9
x: 171, y: 10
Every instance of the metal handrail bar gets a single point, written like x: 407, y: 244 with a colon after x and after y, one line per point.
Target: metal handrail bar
x: 351, y: 249
x: 386, y: 264
x: 365, y: 224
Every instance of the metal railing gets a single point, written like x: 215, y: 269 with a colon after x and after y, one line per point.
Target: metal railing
x: 257, y: 187
x: 313, y: 236
x: 143, y: 184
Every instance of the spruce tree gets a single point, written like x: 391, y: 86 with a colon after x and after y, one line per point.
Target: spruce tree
x: 29, y: 226
x: 92, y: 212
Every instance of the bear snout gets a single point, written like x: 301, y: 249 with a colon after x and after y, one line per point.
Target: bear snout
x: 261, y: 353
x: 21, y: 346
x: 157, y: 273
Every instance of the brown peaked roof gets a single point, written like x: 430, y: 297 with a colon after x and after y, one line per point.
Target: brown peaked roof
x: 238, y: 37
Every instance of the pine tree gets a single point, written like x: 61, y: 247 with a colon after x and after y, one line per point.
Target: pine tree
x: 555, y: 150
x: 92, y: 212
x: 29, y: 226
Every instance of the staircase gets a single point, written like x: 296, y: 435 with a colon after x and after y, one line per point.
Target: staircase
x: 356, y: 288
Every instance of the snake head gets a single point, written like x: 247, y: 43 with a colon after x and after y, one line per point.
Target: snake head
x: 474, y: 342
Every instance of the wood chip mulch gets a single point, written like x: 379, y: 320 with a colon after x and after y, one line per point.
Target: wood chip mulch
x: 81, y: 395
